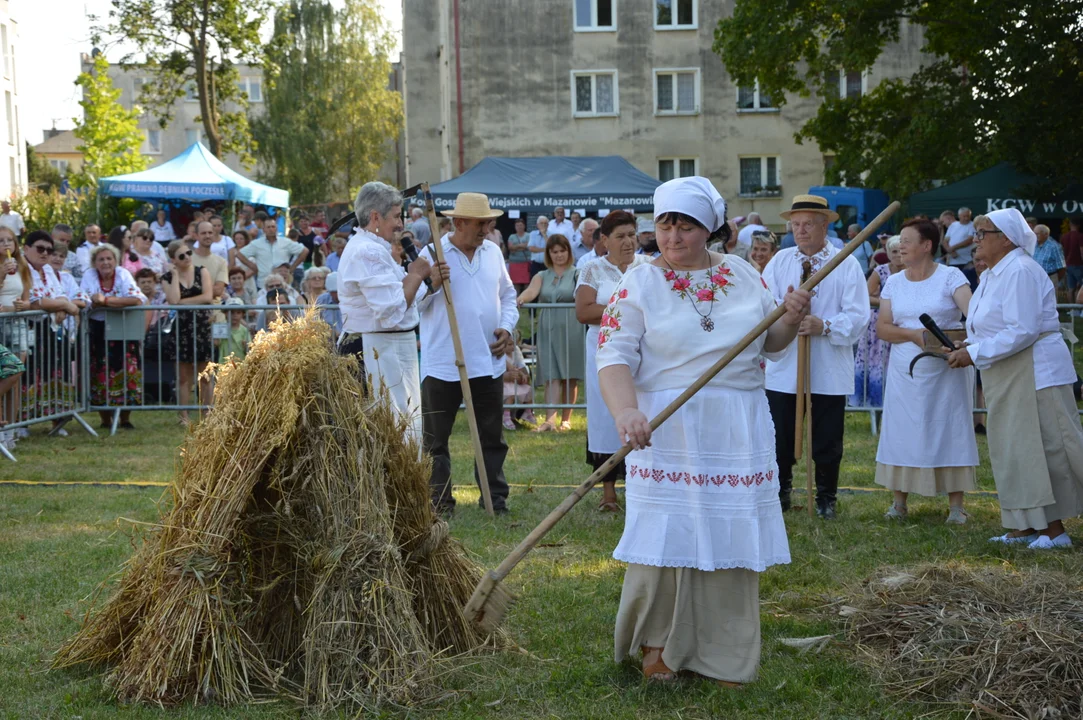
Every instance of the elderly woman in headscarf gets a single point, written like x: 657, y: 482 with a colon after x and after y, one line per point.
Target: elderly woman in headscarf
x: 703, y: 510
x: 1013, y: 337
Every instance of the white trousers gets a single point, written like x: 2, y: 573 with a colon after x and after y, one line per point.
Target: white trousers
x: 391, y: 365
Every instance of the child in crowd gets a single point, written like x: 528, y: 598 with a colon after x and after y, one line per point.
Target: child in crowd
x: 239, y: 289
x: 517, y: 387
x: 236, y: 344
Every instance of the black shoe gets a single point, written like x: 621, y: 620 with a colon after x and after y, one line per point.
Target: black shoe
x: 501, y: 510
x: 979, y: 429
x: 126, y: 426
x: 825, y: 511
x: 785, y: 500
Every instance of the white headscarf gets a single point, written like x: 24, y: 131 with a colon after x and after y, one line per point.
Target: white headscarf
x: 1012, y: 223
x: 693, y: 196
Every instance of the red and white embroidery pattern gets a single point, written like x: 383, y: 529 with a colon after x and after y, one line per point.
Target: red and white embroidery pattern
x: 701, y: 479
x: 610, y: 322
x: 719, y: 282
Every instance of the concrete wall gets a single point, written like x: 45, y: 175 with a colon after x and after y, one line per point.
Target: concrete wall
x: 517, y: 58
x: 12, y: 142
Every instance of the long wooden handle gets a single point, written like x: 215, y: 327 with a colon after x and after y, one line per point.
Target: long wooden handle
x: 799, y: 411
x: 569, y: 502
x: 460, y: 361
x: 810, y: 467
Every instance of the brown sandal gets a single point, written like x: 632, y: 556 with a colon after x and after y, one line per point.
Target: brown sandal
x: 657, y: 671
x: 607, y: 506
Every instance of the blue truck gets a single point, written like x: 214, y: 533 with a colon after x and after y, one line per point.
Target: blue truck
x: 854, y: 205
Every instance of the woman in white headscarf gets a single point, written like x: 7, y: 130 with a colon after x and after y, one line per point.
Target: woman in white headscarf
x: 703, y: 512
x: 1013, y: 337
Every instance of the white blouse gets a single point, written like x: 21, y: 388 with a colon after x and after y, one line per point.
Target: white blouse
x: 370, y: 293
x: 1014, y: 304
x: 653, y: 324
x: 935, y: 296
x: 124, y: 285
x: 841, y: 301
x: 46, y: 284
x: 484, y: 300
x: 603, y: 276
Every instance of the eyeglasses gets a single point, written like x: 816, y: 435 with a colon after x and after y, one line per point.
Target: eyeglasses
x: 184, y: 255
x: 980, y: 234
x: 43, y: 249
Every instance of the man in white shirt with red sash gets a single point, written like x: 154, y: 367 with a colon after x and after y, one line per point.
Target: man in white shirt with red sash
x: 378, y: 301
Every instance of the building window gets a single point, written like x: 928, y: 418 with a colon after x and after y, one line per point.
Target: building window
x: 190, y: 94
x: 137, y: 87
x: 153, y: 143
x: 676, y: 92
x: 7, y: 50
x: 750, y: 99
x: 191, y: 137
x: 61, y: 166
x: 829, y: 162
x: 669, y: 168
x: 845, y: 84
x: 252, y: 87
x: 595, y: 15
x: 595, y: 93
x: 760, y: 177
x: 675, y: 14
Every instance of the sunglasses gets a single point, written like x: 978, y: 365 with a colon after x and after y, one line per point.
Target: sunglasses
x: 184, y: 255
x: 43, y: 249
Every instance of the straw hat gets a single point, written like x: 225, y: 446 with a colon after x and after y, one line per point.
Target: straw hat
x: 474, y: 206
x: 810, y: 203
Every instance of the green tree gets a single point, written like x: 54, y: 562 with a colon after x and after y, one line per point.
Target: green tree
x: 192, y: 47
x: 330, y: 117
x: 40, y: 174
x: 1002, y: 80
x: 110, y: 135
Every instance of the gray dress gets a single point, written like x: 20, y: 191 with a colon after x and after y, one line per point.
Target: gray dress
x: 560, y: 336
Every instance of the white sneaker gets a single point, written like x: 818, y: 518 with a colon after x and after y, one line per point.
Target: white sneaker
x: 1014, y: 540
x: 1044, y: 542
x: 957, y: 516
x: 896, y: 513
x: 21, y: 433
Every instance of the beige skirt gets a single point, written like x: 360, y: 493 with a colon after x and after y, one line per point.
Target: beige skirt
x: 1062, y: 440
x: 708, y: 622
x: 929, y: 482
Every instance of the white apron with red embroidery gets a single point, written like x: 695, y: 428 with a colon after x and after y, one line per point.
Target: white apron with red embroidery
x: 705, y: 494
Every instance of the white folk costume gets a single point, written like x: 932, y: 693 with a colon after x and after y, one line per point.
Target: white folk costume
x: 841, y: 301
x: 927, y: 443
x: 703, y: 516
x: 373, y: 304
x: 602, y: 440
x: 1035, y: 439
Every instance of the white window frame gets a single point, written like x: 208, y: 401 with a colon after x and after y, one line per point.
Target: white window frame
x: 673, y: 72
x: 247, y: 82
x: 60, y: 165
x: 763, y: 174
x: 677, y: 165
x: 756, y: 101
x: 675, y: 26
x: 593, y: 27
x: 147, y: 149
x: 864, y: 83
x: 7, y: 51
x: 616, y: 93
x: 190, y: 87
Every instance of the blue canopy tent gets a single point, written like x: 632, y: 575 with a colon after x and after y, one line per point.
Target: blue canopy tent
x: 539, y: 184
x: 194, y: 175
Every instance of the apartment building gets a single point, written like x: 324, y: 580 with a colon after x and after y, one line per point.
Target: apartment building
x: 12, y: 146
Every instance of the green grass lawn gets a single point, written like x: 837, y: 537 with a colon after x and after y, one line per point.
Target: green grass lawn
x: 58, y: 543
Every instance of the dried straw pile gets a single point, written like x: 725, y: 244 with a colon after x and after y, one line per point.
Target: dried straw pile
x: 299, y: 557
x: 988, y: 639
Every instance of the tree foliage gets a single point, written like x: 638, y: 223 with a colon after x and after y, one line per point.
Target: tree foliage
x: 1001, y: 80
x: 331, y: 117
x: 194, y: 46
x: 39, y: 173
x: 110, y: 135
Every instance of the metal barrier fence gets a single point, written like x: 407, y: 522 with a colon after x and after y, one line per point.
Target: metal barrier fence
x: 121, y: 360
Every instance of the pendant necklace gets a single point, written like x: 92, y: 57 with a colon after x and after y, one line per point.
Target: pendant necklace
x: 705, y: 321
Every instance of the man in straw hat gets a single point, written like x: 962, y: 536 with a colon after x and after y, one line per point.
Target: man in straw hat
x: 836, y: 320
x: 484, y: 299
x: 378, y: 300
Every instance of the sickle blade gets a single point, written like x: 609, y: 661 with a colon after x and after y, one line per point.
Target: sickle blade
x: 914, y: 362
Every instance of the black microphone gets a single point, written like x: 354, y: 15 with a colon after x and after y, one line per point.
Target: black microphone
x: 409, y: 251
x: 939, y: 334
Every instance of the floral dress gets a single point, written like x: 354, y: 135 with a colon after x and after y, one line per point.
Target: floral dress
x: 116, y: 371
x: 191, y: 335
x: 871, y: 358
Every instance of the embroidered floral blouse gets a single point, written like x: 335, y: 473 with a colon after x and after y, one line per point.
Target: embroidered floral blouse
x: 124, y: 285
x: 654, y: 325
x: 46, y: 284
